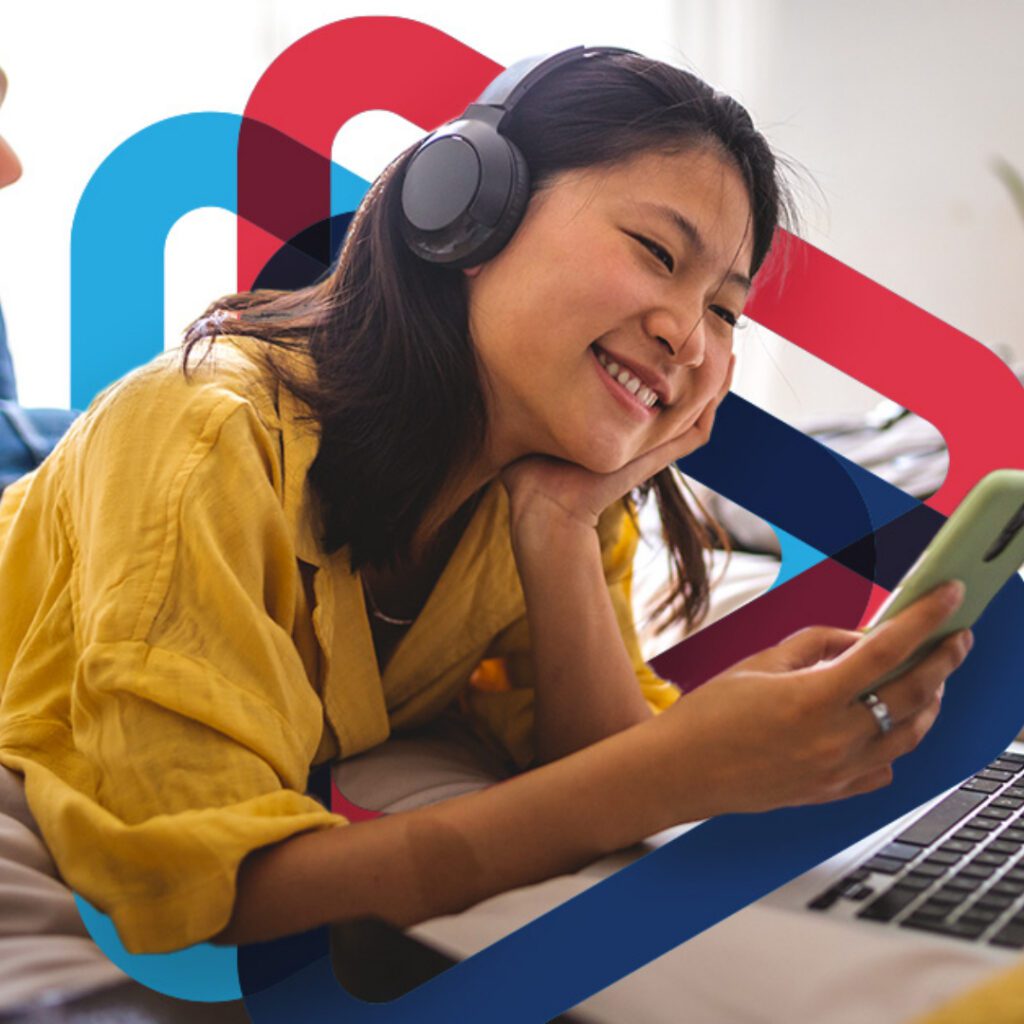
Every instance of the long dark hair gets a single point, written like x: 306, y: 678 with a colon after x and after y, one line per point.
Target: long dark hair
x: 397, y: 393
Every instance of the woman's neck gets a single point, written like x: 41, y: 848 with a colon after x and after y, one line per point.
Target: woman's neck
x: 501, y: 448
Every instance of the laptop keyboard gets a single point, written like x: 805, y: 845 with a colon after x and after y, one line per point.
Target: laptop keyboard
x: 958, y: 870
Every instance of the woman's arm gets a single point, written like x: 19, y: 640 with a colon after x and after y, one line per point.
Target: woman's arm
x: 416, y: 865
x: 783, y: 727
x: 585, y: 684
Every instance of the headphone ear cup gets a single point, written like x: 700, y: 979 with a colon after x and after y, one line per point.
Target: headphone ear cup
x: 463, y: 195
x: 512, y: 215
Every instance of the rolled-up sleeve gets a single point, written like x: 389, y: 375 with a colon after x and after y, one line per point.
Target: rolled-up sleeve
x: 184, y: 739
x: 500, y: 697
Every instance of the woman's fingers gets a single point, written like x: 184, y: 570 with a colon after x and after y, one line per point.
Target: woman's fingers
x: 811, y: 645
x: 919, y: 687
x: 693, y: 437
x: 890, y: 644
x: 908, y: 733
x: 871, y: 780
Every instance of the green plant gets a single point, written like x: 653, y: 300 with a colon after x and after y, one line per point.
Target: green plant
x: 1011, y: 178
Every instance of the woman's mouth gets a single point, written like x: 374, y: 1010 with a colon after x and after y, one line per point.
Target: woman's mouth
x: 628, y: 382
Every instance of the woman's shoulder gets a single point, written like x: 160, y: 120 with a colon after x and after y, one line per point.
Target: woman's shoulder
x: 151, y: 425
x: 185, y: 394
x: 229, y: 370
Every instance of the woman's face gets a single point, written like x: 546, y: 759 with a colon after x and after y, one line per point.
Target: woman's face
x: 10, y: 165
x: 644, y: 265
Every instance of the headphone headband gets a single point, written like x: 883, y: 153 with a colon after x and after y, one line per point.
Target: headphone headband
x: 518, y: 78
x: 465, y: 188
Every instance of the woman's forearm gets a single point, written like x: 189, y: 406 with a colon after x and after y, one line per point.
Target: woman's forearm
x: 410, y: 867
x: 586, y: 686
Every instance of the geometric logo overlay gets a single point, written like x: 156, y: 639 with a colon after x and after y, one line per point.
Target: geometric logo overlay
x: 847, y: 536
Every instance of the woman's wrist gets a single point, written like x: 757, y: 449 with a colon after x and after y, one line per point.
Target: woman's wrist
x: 542, y: 528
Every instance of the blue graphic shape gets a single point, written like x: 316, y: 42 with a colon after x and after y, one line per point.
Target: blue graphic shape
x: 797, y: 557
x: 202, y: 973
x: 690, y: 884
x: 132, y: 202
x: 121, y: 223
x: 126, y: 211
x: 789, y: 479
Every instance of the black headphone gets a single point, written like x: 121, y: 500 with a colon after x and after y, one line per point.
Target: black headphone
x: 466, y: 186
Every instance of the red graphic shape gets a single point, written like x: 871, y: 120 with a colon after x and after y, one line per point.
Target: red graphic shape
x: 311, y: 90
x: 964, y: 390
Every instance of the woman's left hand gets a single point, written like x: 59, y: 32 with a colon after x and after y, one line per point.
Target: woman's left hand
x: 554, y: 488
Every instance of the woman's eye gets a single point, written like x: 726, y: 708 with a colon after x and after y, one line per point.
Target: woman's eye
x: 724, y: 314
x: 661, y: 254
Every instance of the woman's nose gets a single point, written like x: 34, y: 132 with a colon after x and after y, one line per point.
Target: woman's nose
x: 684, y: 338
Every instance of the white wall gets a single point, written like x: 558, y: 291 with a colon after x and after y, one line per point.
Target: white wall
x: 895, y: 109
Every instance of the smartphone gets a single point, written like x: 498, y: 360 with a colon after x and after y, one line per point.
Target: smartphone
x: 981, y: 544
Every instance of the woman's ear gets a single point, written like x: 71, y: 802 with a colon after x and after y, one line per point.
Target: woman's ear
x: 473, y: 271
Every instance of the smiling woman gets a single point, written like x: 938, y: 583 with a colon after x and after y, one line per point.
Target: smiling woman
x: 407, y: 490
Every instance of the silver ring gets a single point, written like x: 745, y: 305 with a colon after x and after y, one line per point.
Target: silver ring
x: 880, y: 710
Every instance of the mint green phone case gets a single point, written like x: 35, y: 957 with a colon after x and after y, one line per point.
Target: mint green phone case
x: 982, y: 544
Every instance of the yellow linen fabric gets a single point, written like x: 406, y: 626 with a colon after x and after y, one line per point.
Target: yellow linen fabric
x: 165, y: 680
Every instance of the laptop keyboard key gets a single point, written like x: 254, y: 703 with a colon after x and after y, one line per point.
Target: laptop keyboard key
x: 961, y: 883
x: 995, y: 900
x: 970, y: 928
x: 885, y: 865
x: 984, y: 824
x: 942, y: 857
x: 970, y: 835
x: 941, y: 818
x: 977, y: 871
x: 1004, y: 764
x: 959, y: 929
x: 916, y: 881
x: 998, y: 813
x: 859, y: 892
x: 1008, y: 887
x: 825, y: 900
x: 956, y: 846
x: 936, y: 911
x: 991, y: 859
x: 900, y: 851
x: 986, y: 913
x: 981, y: 786
x: 947, y: 897
x: 993, y: 775
x: 931, y: 870
x: 1002, y: 846
x: 1011, y: 935
x: 1011, y: 803
x: 889, y: 904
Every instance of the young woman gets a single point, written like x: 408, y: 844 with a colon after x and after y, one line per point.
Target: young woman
x: 347, y: 500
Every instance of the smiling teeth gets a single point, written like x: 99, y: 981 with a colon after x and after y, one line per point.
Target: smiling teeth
x: 632, y: 384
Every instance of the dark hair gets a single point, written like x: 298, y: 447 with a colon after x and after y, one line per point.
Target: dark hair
x: 397, y: 393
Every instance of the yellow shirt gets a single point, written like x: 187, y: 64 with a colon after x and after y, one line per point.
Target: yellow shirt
x: 165, y: 685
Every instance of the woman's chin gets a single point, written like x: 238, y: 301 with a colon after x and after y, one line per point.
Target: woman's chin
x: 603, y: 460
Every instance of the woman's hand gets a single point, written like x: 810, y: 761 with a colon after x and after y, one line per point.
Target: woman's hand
x: 786, y: 727
x: 540, y: 484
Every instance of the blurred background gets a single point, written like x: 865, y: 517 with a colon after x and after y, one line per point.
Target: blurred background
x: 893, y: 112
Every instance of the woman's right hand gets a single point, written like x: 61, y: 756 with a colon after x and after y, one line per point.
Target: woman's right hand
x: 786, y: 727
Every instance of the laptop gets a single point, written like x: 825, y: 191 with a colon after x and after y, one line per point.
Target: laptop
x: 951, y: 870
